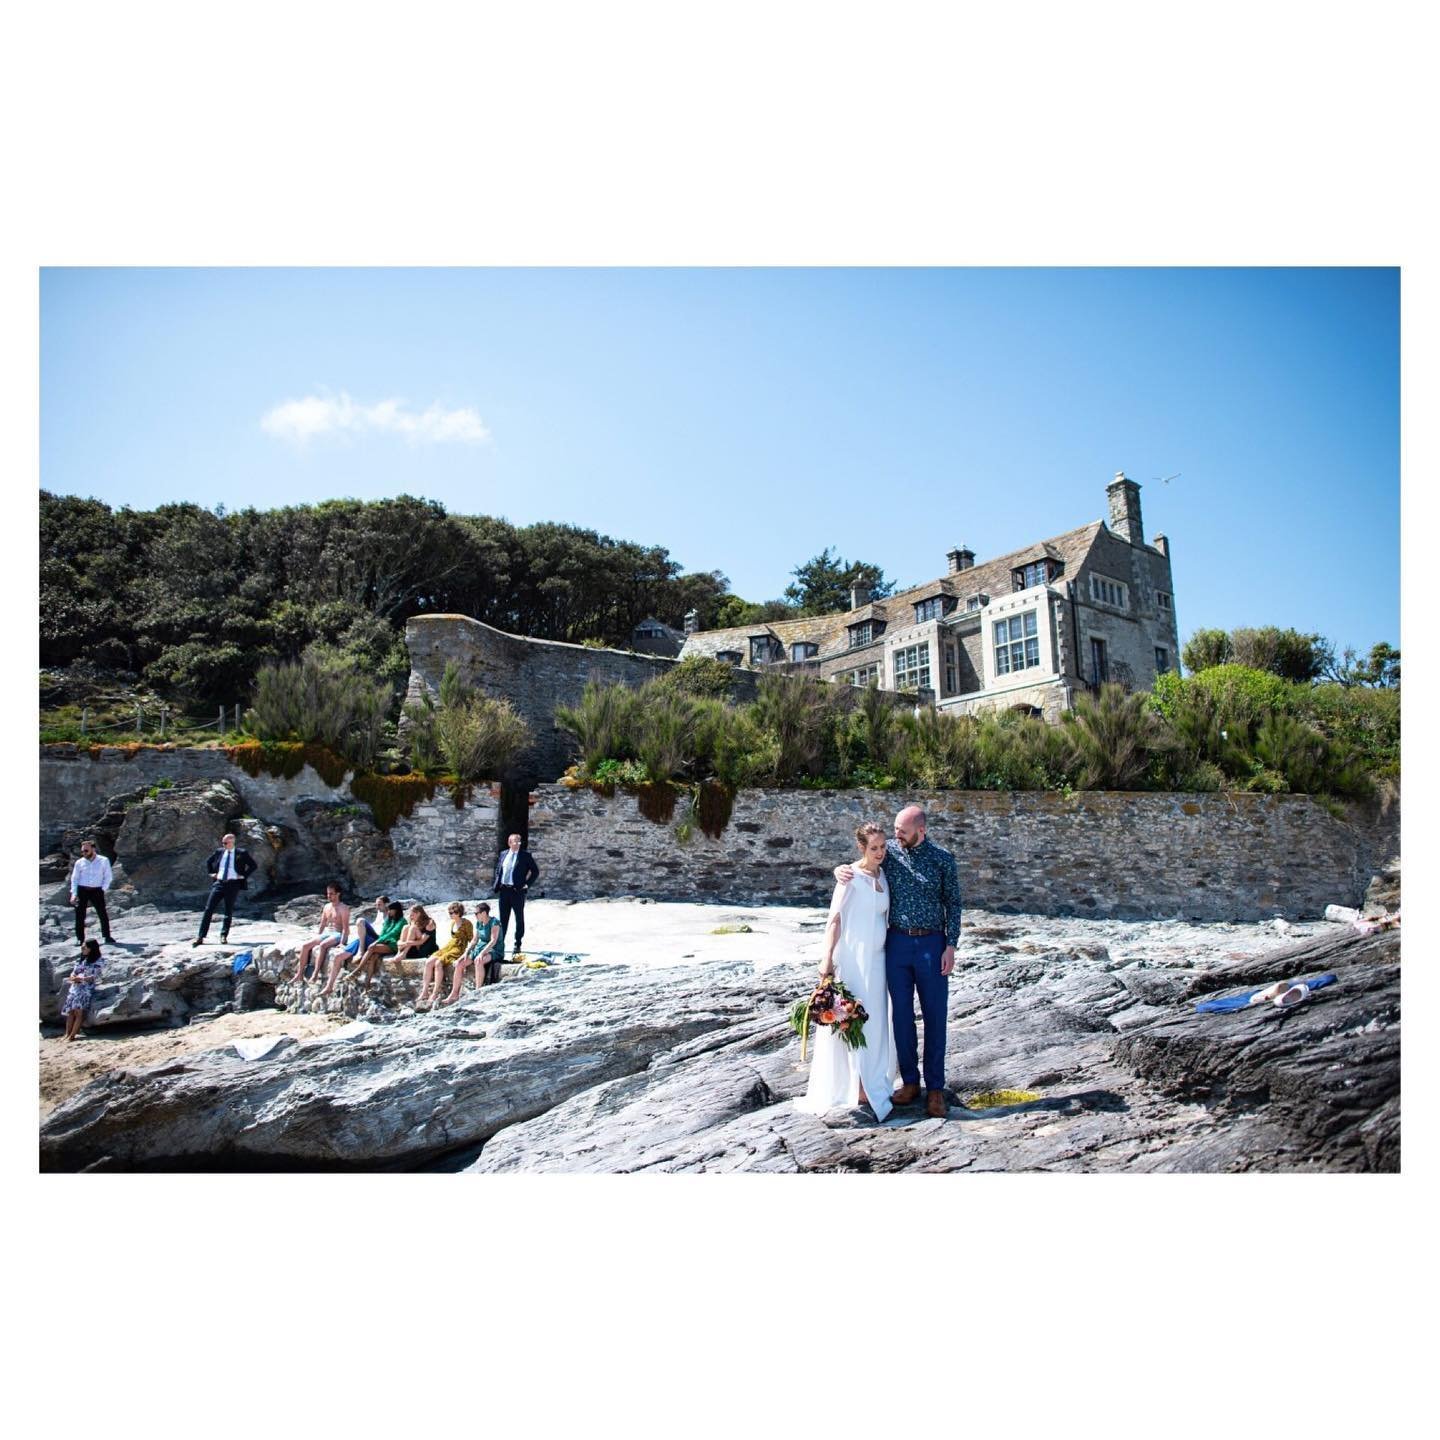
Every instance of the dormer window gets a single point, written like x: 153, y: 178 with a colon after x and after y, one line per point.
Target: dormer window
x: 760, y: 649
x: 803, y: 650
x: 730, y: 657
x: 862, y: 634
x: 1038, y: 572
x: 977, y: 602
x: 931, y: 609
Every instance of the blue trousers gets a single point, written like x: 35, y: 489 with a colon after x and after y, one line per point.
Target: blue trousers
x: 912, y: 962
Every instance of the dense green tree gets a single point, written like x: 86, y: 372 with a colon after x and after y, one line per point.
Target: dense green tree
x: 198, y: 601
x: 1205, y: 649
x: 1380, y: 669
x: 822, y: 583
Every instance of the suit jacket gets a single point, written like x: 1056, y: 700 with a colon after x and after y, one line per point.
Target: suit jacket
x: 244, y: 864
x: 527, y: 872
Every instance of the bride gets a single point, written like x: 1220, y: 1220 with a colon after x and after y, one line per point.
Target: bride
x: 855, y: 950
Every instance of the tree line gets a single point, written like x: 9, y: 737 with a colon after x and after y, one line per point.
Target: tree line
x: 194, y: 602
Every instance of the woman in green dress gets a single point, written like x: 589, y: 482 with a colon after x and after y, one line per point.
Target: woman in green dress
x: 482, y: 949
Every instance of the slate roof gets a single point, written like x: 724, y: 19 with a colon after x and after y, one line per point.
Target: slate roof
x: 829, y: 631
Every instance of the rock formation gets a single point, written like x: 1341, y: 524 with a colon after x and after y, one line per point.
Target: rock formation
x: 608, y: 1068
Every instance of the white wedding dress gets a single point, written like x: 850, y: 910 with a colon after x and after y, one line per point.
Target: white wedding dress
x: 836, y: 1071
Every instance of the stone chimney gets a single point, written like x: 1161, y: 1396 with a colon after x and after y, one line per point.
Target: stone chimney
x: 859, y: 595
x: 1125, y: 508
x: 1162, y: 545
x: 961, y: 559
x: 692, y: 621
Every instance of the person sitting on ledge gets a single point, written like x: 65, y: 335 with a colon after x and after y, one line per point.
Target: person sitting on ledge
x: 418, y: 940
x: 81, y: 994
x: 480, y: 954
x: 385, y: 943
x: 366, y: 933
x: 452, y: 953
x: 334, y: 930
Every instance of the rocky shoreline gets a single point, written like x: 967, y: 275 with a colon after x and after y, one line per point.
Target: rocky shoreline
x: 662, y: 1046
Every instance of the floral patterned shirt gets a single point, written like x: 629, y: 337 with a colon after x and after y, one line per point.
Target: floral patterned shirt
x: 924, y: 889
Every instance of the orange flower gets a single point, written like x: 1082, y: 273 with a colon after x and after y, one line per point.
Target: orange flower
x: 827, y: 1017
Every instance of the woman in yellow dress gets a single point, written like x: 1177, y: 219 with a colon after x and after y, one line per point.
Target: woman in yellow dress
x: 462, y: 932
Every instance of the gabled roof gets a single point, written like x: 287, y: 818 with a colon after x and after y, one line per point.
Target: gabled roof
x: 829, y: 631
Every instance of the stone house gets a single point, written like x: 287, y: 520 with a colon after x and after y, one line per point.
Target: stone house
x: 1025, y: 631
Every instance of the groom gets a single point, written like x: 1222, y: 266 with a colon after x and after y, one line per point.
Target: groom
x: 919, y: 951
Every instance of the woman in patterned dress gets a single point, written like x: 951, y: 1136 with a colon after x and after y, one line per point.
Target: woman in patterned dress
x: 81, y: 994
x: 452, y: 953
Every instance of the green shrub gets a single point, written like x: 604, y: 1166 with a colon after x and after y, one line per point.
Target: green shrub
x: 1364, y: 721
x: 700, y: 676
x: 792, y: 716
x: 1114, y: 738
x: 602, y: 723
x: 1309, y: 762
x: 479, y: 737
x: 1204, y: 649
x: 315, y: 703
x: 422, y: 738
x: 201, y: 671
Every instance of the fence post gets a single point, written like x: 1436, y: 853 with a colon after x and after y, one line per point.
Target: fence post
x: 221, y: 726
x: 164, y: 710
x: 237, y: 716
x: 139, y: 721
x: 84, y: 719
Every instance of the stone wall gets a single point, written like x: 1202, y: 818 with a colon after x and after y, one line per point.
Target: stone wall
x: 1207, y: 857
x: 533, y: 675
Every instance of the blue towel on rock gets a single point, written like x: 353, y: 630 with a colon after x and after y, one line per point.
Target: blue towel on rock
x: 1228, y: 1003
x: 241, y: 961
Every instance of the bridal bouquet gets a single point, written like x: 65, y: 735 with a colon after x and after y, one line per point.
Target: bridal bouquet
x: 832, y: 1005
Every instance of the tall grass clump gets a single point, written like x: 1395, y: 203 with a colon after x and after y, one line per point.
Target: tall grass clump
x: 479, y: 737
x: 1115, y: 739
x: 316, y: 702
x: 602, y: 723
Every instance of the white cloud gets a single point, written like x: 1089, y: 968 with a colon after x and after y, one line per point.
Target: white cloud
x: 316, y: 416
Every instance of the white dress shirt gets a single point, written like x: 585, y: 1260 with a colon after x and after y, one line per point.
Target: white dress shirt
x: 507, y: 871
x: 227, y: 865
x: 93, y: 873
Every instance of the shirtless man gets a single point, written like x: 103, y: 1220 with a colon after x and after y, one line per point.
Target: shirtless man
x: 334, y: 930
x: 365, y: 935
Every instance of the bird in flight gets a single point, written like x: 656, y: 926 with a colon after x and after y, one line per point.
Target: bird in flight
x: 1166, y: 479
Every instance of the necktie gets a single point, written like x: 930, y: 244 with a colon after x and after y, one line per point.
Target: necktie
x: 225, y: 865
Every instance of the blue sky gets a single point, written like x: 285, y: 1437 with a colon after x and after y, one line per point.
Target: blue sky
x: 745, y: 419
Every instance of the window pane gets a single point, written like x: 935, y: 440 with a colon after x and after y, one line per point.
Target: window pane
x: 1030, y: 622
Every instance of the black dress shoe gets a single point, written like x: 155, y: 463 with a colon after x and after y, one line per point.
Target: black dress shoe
x: 198, y: 940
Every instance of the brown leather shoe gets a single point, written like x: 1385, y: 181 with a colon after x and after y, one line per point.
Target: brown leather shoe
x: 935, y: 1104
x: 906, y: 1095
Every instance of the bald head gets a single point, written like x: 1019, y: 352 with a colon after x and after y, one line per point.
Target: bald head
x: 910, y: 826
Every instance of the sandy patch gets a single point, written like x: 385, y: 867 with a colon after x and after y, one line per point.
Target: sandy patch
x: 64, y: 1069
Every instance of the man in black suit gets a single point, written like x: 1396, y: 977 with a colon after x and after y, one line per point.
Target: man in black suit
x: 515, y: 872
x: 229, y: 866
